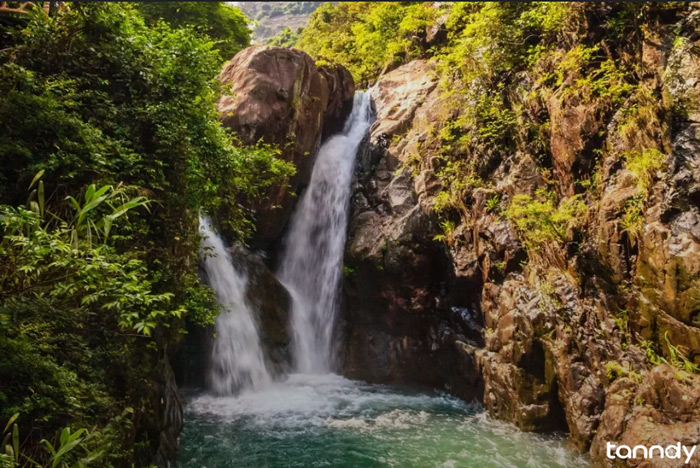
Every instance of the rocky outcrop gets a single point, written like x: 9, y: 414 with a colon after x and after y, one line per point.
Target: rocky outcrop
x: 273, y: 304
x: 660, y: 410
x: 573, y: 335
x: 339, y: 90
x: 402, y: 323
x: 279, y: 96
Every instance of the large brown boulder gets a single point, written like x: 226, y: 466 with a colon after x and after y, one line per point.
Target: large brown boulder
x: 279, y: 96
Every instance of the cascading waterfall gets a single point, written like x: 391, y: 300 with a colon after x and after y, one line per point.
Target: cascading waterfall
x: 311, y: 265
x: 237, y: 359
x: 314, y: 417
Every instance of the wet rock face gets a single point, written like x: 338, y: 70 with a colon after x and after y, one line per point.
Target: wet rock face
x: 279, y: 96
x: 273, y: 304
x: 552, y: 344
x: 339, y: 90
x: 400, y: 323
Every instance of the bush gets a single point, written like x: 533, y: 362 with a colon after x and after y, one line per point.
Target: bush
x: 541, y: 220
x: 223, y: 23
x: 366, y: 36
x: 644, y: 165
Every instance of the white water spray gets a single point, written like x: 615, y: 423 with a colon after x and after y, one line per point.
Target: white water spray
x: 237, y: 359
x: 311, y: 266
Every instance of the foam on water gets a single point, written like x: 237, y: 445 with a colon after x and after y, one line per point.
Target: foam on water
x: 327, y: 420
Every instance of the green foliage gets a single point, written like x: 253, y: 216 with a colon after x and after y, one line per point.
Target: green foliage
x: 44, y: 265
x: 70, y: 312
x: 678, y: 358
x: 251, y: 170
x: 223, y: 23
x: 285, y: 38
x: 587, y: 73
x: 491, y: 38
x: 493, y: 203
x: 540, y: 220
x: 615, y: 370
x: 79, y: 448
x: 458, y: 179
x: 448, y: 229
x: 644, y: 165
x: 86, y: 225
x: 366, y: 36
x: 118, y: 101
x: 632, y: 221
x: 261, y: 11
x: 112, y: 124
x: 621, y: 320
x: 549, y: 299
x: 650, y: 349
x: 685, y: 368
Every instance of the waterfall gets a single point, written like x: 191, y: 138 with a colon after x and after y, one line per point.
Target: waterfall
x: 311, y: 262
x: 237, y: 359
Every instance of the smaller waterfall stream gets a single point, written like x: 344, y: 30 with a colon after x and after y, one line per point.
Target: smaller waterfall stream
x: 311, y: 265
x: 237, y: 360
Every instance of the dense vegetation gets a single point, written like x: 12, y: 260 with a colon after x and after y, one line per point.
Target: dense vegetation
x: 367, y: 36
x: 277, y: 19
x: 110, y: 146
x: 497, y: 64
x: 260, y: 11
x: 224, y: 24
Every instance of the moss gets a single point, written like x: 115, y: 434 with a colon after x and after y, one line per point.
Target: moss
x: 644, y: 166
x: 614, y: 370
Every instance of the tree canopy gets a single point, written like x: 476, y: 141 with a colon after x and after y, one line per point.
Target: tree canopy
x: 226, y: 25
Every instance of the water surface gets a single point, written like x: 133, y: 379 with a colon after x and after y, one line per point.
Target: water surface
x: 327, y: 420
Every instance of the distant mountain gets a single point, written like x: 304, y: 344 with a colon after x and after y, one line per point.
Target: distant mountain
x: 272, y: 17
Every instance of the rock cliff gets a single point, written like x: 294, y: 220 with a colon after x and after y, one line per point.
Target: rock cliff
x: 591, y: 335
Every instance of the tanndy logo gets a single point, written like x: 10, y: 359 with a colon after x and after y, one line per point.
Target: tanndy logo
x: 638, y: 452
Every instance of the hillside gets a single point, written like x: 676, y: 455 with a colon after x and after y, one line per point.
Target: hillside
x: 271, y: 18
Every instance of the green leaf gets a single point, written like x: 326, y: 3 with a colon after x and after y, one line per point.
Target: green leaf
x: 36, y: 177
x: 12, y: 420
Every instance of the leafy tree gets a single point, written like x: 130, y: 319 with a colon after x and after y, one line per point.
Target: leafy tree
x: 98, y: 264
x: 285, y: 38
x: 223, y: 23
x: 366, y: 36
